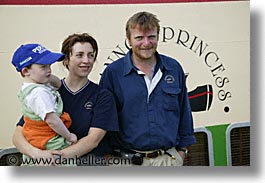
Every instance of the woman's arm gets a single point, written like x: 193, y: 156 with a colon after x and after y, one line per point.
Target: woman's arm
x: 85, y: 144
x: 26, y: 148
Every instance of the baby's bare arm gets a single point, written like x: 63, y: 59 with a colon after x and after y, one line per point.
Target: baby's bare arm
x: 55, y: 82
x: 58, y: 126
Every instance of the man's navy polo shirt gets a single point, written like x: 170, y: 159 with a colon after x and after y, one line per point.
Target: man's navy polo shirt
x: 161, y: 121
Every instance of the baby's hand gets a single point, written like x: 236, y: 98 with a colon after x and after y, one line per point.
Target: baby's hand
x: 72, y: 139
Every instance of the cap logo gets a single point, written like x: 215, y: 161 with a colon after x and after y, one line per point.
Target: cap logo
x: 26, y: 60
x: 39, y: 49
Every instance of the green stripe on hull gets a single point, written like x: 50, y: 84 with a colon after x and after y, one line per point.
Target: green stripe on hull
x: 219, y: 144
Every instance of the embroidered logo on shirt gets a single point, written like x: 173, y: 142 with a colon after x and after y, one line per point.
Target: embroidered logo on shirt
x: 88, y: 105
x: 169, y: 79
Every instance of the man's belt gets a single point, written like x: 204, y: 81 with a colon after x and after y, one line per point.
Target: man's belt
x: 152, y: 154
x: 138, y: 156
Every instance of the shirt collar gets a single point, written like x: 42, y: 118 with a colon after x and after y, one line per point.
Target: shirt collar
x: 128, y: 64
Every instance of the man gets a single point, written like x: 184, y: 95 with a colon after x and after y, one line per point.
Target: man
x: 156, y: 125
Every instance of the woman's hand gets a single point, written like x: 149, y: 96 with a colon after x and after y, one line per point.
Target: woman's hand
x: 45, y: 157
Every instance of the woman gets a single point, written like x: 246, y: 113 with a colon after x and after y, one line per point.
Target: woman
x: 91, y: 108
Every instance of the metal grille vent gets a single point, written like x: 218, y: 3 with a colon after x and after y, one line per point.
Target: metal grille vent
x: 240, y: 146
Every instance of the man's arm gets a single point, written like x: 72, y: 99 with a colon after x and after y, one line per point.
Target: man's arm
x: 84, y: 145
x: 183, y: 152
